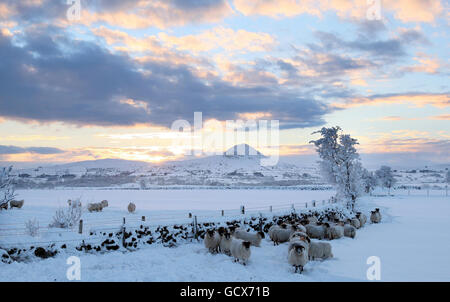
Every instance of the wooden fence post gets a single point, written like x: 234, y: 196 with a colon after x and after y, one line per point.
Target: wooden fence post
x: 190, y: 215
x: 242, y: 210
x: 270, y: 208
x: 80, y: 227
x: 314, y: 203
x: 306, y: 205
x: 446, y: 190
x: 195, y: 228
x: 223, y: 213
x: 293, y: 207
x: 123, y: 234
x: 260, y: 222
x: 124, y: 220
x: 143, y: 218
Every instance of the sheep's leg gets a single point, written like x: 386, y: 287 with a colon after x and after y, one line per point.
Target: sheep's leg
x: 295, y: 269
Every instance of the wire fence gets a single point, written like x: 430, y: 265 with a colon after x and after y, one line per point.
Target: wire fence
x: 16, y: 234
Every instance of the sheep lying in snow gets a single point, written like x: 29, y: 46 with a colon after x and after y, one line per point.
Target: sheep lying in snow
x: 131, y: 207
x: 282, y: 234
x: 319, y: 250
x: 212, y: 241
x: 349, y: 230
x: 375, y: 217
x: 253, y: 238
x: 240, y: 250
x: 355, y: 222
x: 335, y: 231
x: 225, y: 243
x: 298, y: 257
x: 362, y: 218
x: 16, y: 203
x: 316, y: 231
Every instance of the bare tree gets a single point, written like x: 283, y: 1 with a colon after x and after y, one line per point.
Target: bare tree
x: 7, y: 192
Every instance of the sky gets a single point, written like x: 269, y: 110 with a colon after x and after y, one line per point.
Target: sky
x: 108, y: 78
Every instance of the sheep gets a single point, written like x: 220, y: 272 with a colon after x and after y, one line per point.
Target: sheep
x: 104, y: 203
x: 295, y: 241
x: 16, y: 203
x: 335, y: 232
x: 319, y: 249
x: 375, y: 217
x: 272, y: 230
x: 131, y: 207
x: 298, y: 257
x: 349, y: 231
x: 362, y: 218
x: 316, y: 231
x: 300, y: 228
x: 312, y: 219
x: 253, y: 238
x: 225, y: 243
x: 282, y: 235
x: 240, y: 250
x: 299, y: 234
x: 355, y: 222
x: 212, y: 241
x: 94, y: 207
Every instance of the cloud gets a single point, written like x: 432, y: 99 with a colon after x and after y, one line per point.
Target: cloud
x: 35, y: 150
x: 87, y: 85
x: 439, y: 100
x: 440, y: 117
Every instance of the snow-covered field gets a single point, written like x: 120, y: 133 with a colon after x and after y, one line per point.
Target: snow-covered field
x: 412, y: 241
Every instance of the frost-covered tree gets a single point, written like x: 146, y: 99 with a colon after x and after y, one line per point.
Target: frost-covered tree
x: 369, y: 181
x: 68, y: 218
x: 447, y: 177
x: 7, y: 192
x: 340, y: 163
x: 385, y: 177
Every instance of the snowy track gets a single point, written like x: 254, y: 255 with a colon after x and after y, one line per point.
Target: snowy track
x: 412, y: 242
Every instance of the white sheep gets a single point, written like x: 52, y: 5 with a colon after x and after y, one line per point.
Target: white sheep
x: 240, y: 250
x: 300, y: 228
x: 335, y: 231
x: 298, y: 234
x: 319, y: 249
x: 253, y: 238
x: 225, y: 243
x: 298, y: 257
x: 312, y: 219
x: 375, y: 216
x: 16, y: 203
x: 295, y: 241
x: 362, y: 218
x: 355, y: 222
x: 131, y: 207
x: 349, y: 231
x: 212, y: 241
x: 282, y: 235
x: 316, y: 231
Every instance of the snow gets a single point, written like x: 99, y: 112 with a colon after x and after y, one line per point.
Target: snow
x: 412, y: 242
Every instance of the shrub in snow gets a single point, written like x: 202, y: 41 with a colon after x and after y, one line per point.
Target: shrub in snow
x: 6, y: 187
x: 369, y: 181
x: 385, y: 177
x: 67, y: 218
x: 340, y: 163
x: 32, y: 227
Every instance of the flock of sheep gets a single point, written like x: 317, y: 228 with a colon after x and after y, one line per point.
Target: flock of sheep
x: 98, y: 207
x: 12, y: 204
x: 235, y: 241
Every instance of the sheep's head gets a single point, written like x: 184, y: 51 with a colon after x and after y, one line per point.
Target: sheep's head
x: 358, y: 215
x: 246, y: 244
x: 283, y: 225
x: 227, y: 235
x: 326, y: 224
x: 299, y: 249
x: 210, y: 233
x: 377, y: 210
x: 261, y: 234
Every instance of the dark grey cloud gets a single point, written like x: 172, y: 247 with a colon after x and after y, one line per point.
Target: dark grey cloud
x: 81, y: 83
x: 36, y: 150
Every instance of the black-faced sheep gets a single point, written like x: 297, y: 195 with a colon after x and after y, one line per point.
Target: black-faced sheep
x: 362, y: 218
x: 282, y: 234
x: 225, y: 243
x: 375, y: 216
x: 349, y: 231
x: 240, y: 250
x: 212, y: 241
x: 298, y: 257
x: 316, y: 231
x: 335, y: 231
